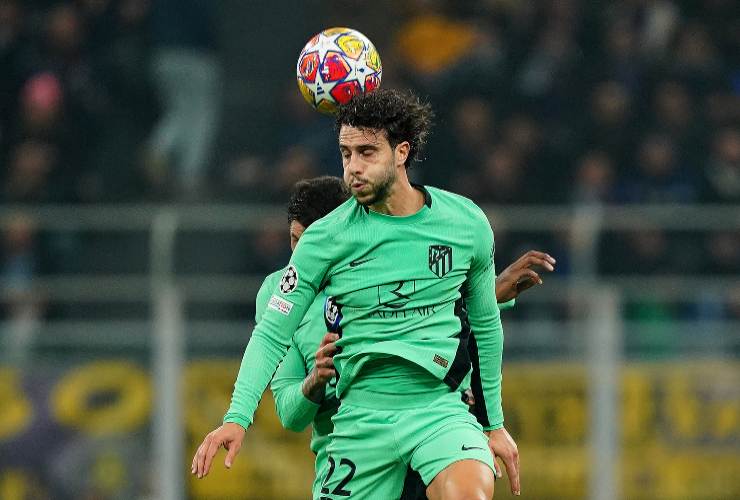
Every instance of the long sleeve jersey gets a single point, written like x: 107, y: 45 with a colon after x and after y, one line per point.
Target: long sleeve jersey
x: 294, y: 409
x: 396, y: 287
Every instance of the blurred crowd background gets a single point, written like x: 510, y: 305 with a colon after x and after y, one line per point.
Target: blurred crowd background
x: 564, y: 102
x: 569, y: 103
x: 537, y: 102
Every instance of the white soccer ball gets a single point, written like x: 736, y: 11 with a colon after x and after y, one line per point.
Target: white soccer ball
x: 335, y: 65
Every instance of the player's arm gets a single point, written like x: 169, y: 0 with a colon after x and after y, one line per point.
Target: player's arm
x: 294, y: 409
x: 512, y: 281
x: 485, y: 322
x: 519, y: 276
x: 269, y: 344
x: 270, y: 340
x: 487, y: 345
x: 298, y: 395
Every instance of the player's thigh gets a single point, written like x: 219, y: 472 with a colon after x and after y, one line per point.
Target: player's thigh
x: 451, y: 434
x: 466, y: 479
x: 352, y: 473
x: 362, y: 459
x: 456, y: 462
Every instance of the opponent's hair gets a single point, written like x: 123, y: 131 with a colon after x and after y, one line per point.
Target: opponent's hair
x: 399, y: 113
x: 312, y: 199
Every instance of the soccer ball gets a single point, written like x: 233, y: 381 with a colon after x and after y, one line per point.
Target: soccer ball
x: 336, y: 65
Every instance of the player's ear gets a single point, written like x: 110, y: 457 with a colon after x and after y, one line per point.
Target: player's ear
x: 402, y: 152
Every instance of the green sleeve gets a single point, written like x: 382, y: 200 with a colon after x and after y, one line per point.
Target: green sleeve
x: 506, y: 305
x: 263, y: 295
x: 485, y: 322
x: 289, y: 301
x: 295, y: 410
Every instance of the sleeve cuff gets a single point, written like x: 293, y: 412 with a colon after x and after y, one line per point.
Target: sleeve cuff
x: 294, y: 409
x: 235, y: 418
x: 493, y: 427
x: 506, y: 305
x: 306, y: 404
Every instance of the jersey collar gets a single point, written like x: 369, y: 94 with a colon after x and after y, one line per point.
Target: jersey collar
x: 427, y: 196
x: 418, y: 187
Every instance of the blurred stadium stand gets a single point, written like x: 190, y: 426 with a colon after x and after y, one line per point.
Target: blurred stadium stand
x: 607, y: 133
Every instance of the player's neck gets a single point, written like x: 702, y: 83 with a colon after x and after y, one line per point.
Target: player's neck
x: 402, y: 201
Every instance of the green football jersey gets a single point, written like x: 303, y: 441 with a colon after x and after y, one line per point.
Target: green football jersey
x: 294, y: 409
x: 396, y: 286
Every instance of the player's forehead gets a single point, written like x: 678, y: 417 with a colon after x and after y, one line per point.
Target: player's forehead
x: 352, y: 137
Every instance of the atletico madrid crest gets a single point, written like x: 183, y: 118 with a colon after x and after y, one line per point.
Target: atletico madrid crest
x: 440, y: 259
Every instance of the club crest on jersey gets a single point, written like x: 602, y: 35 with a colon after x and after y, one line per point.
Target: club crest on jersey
x: 289, y: 281
x: 440, y: 259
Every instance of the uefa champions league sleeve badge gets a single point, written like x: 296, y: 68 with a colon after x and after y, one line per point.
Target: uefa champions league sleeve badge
x: 289, y: 281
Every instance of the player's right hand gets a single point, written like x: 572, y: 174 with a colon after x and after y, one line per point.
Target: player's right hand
x: 324, y: 366
x: 228, y: 435
x: 314, y: 385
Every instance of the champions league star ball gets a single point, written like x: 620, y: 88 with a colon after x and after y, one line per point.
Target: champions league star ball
x: 336, y: 65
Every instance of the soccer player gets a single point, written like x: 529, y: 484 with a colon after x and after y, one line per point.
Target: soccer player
x: 408, y: 271
x: 299, y: 385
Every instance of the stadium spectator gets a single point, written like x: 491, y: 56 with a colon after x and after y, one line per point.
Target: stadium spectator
x: 294, y: 164
x: 186, y: 72
x: 22, y: 308
x: 723, y: 168
x: 463, y: 143
x: 594, y: 179
x: 723, y: 250
x: 609, y: 124
x: 11, y: 60
x: 658, y: 177
x: 29, y: 179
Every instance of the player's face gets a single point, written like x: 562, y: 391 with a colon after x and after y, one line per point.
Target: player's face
x: 296, y: 231
x: 369, y: 163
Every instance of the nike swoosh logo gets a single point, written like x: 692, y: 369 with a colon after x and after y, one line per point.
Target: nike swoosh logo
x: 356, y: 263
x: 466, y: 448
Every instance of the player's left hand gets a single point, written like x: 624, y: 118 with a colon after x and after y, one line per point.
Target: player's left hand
x: 520, y: 276
x: 503, y: 446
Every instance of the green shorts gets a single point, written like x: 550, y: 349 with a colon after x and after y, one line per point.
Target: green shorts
x: 321, y: 469
x: 371, y: 449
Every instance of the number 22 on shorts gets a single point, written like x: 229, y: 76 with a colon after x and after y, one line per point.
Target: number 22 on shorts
x: 339, y: 489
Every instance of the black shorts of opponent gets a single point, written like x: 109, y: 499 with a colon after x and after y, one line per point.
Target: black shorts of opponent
x: 413, y: 487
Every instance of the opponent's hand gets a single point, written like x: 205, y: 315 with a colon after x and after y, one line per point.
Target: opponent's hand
x: 228, y: 435
x: 520, y: 276
x: 503, y: 446
x: 314, y: 385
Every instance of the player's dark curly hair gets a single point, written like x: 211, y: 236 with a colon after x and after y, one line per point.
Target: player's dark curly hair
x: 400, y: 113
x: 312, y: 199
